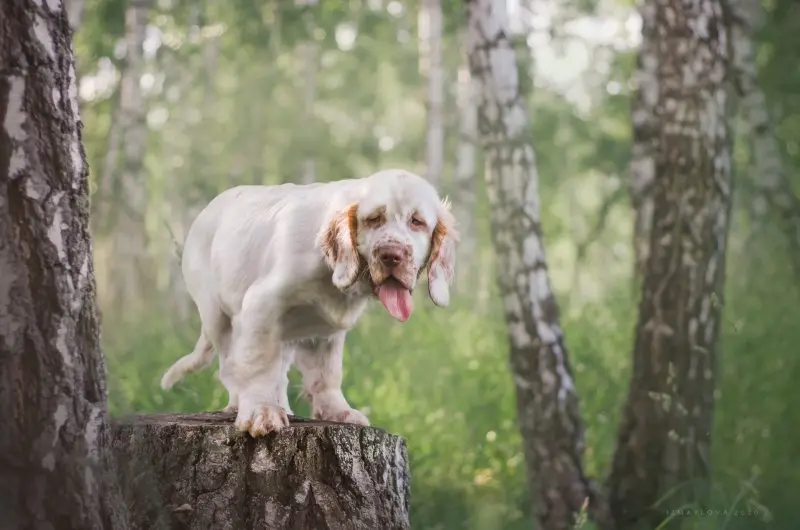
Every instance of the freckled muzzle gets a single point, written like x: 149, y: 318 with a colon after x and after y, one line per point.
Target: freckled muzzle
x: 393, y: 260
x: 393, y: 277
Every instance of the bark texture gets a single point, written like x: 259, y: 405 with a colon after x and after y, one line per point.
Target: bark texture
x: 52, y: 372
x: 644, y: 139
x: 664, y: 438
x: 768, y: 181
x: 547, y: 402
x: 431, y: 68
x: 465, y: 176
x: 310, y: 475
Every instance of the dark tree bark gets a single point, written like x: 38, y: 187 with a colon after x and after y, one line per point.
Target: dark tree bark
x: 664, y: 438
x: 311, y: 475
x: 52, y: 372
x: 547, y: 401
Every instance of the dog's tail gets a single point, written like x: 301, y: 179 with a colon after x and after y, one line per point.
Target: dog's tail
x: 200, y: 358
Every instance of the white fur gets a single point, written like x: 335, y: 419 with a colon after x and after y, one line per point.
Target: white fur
x: 269, y: 296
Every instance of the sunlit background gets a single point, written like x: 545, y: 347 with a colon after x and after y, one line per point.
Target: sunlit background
x: 245, y: 91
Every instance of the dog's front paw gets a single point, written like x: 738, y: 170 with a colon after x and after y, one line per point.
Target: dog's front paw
x: 347, y: 415
x: 260, y: 420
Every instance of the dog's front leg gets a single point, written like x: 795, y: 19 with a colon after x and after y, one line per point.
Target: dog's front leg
x: 320, y: 362
x: 254, y: 371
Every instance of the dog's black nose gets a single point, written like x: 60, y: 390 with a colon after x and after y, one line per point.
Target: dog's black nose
x: 390, y: 257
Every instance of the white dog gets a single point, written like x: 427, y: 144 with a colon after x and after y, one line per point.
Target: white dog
x: 279, y: 274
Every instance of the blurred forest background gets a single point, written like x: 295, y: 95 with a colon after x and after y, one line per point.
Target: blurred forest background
x: 182, y: 99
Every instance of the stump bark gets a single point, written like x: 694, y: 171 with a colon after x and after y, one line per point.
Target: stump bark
x: 196, y: 471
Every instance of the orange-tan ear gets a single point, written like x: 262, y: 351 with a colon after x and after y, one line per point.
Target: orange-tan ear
x: 339, y: 243
x: 442, y: 260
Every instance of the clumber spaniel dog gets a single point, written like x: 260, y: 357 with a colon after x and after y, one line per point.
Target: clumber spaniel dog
x: 279, y: 274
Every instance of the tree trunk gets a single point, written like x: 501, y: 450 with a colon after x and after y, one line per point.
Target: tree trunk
x: 130, y: 245
x: 430, y: 43
x: 52, y: 372
x: 664, y: 438
x: 547, y: 402
x: 465, y: 176
x: 308, y: 59
x: 774, y: 198
x: 642, y: 164
x: 311, y: 475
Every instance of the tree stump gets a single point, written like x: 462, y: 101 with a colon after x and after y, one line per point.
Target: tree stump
x: 195, y: 471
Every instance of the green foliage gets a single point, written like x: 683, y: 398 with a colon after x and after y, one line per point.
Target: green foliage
x: 442, y: 379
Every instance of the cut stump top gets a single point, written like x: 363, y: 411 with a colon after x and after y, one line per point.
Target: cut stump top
x: 211, y: 419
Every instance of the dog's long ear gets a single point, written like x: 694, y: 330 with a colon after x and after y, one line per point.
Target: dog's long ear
x: 442, y: 259
x: 339, y: 243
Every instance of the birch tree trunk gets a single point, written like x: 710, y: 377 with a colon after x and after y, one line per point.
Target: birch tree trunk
x: 464, y: 181
x: 664, y: 437
x: 547, y: 402
x: 642, y: 157
x: 52, y: 372
x: 430, y: 43
x: 774, y: 197
x: 309, y: 59
x: 129, y: 243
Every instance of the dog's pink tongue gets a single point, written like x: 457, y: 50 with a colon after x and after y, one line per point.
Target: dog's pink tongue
x: 396, y: 299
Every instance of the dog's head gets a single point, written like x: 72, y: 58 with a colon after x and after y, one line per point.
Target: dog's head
x: 397, y: 229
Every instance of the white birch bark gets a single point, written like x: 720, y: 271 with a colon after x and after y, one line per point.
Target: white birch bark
x: 431, y: 68
x: 547, y: 401
x: 465, y: 175
x: 642, y: 164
